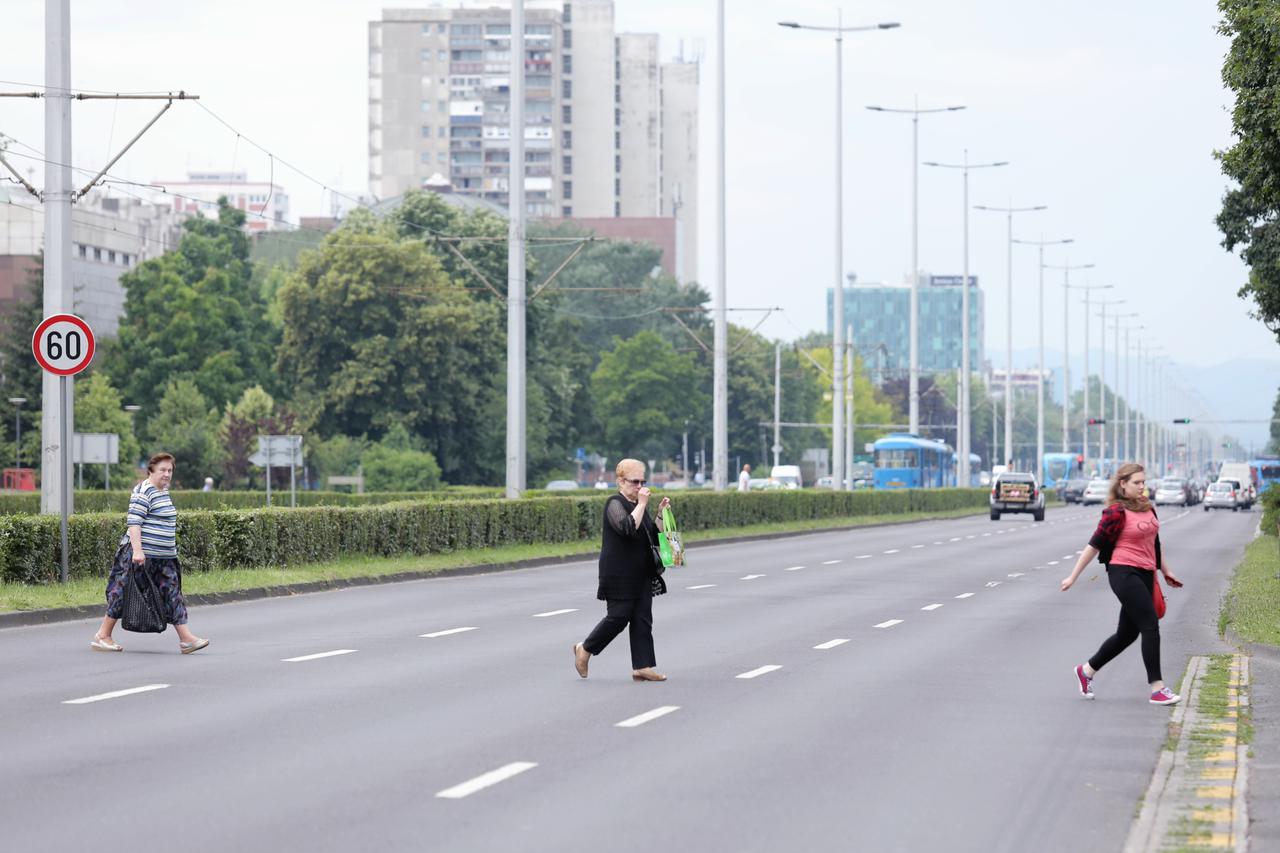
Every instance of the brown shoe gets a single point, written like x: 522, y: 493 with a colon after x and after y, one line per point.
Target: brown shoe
x: 647, y: 674
x: 581, y: 657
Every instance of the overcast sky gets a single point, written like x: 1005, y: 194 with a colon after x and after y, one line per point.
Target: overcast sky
x: 1109, y: 115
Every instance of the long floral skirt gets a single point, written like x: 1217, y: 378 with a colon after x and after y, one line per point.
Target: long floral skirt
x: 167, y: 573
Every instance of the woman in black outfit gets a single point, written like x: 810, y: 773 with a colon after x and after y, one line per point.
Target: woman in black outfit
x: 628, y: 575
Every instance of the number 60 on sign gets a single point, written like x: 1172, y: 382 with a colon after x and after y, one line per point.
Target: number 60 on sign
x: 63, y: 344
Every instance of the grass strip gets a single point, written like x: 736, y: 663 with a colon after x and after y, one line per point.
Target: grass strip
x: 86, y: 591
x: 1251, y: 605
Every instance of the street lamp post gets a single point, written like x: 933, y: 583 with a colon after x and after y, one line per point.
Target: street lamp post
x: 17, y: 429
x: 913, y: 381
x: 838, y: 319
x: 1040, y: 244
x: 1008, y: 374
x: 1067, y: 287
x: 1102, y: 380
x: 963, y: 437
x: 1130, y: 425
x: 1115, y: 385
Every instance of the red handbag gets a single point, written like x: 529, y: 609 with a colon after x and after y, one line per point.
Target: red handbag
x: 1157, y: 596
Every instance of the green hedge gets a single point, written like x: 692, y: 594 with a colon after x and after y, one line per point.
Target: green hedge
x: 1270, y: 510
x: 208, y: 539
x: 90, y: 500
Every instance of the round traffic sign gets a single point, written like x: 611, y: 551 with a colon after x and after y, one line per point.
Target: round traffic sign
x: 63, y: 344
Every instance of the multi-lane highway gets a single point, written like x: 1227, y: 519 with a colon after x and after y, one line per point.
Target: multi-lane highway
x: 904, y: 687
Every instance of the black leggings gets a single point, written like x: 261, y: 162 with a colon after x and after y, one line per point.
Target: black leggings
x: 638, y: 613
x: 1137, y: 616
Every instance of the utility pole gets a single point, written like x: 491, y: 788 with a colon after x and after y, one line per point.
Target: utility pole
x: 720, y: 359
x: 848, y: 409
x: 1040, y: 244
x: 516, y: 301
x: 777, y: 404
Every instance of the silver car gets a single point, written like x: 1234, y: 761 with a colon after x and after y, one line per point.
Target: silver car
x: 1096, y: 492
x: 1171, y: 492
x: 1221, y: 496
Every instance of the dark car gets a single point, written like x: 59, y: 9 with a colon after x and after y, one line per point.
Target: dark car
x: 1072, y: 490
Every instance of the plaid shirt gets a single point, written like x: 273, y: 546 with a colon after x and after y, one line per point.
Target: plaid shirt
x: 1108, y: 533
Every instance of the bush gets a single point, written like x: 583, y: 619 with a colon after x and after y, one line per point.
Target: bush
x: 87, y: 500
x: 1270, y: 510
x: 228, y: 539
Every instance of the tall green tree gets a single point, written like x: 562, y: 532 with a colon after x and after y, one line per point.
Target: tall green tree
x: 186, y: 425
x: 194, y: 313
x: 20, y: 376
x: 1275, y: 426
x: 1250, y: 215
x: 644, y: 392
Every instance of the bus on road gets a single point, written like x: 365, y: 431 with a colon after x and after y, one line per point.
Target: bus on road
x: 1266, y: 472
x: 906, y: 461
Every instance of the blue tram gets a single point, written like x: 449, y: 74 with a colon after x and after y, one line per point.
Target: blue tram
x: 906, y: 461
x: 1058, y: 468
x: 975, y: 471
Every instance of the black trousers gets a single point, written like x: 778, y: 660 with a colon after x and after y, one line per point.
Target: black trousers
x: 1133, y: 587
x: 621, y: 612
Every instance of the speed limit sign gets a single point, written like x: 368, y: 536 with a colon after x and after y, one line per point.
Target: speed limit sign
x: 63, y: 344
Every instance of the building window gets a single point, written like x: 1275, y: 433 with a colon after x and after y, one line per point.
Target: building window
x: 83, y: 251
x: 97, y: 254
x: 442, y: 28
x: 426, y: 55
x: 442, y: 131
x: 111, y: 257
x: 426, y: 106
x: 442, y: 157
x: 617, y: 163
x: 566, y: 63
x: 426, y: 131
x: 425, y: 157
x: 567, y: 14
x: 617, y: 187
x: 617, y: 117
x: 568, y: 139
x: 566, y: 114
x: 566, y: 164
x: 442, y: 55
x: 566, y: 89
x: 617, y: 139
x: 568, y: 37
x: 617, y: 93
x: 617, y: 209
x: 566, y: 211
x: 568, y: 189
x: 426, y: 29
x: 443, y: 106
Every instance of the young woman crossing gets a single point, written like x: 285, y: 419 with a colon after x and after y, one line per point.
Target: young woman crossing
x: 1127, y: 541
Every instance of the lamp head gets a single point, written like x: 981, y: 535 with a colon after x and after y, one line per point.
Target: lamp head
x: 792, y: 24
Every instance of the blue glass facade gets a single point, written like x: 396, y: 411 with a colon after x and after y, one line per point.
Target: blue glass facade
x: 879, y: 315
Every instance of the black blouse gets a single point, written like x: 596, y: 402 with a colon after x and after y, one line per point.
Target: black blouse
x: 626, y: 558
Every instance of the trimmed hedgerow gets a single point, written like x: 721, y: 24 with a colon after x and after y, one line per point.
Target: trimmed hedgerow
x: 254, y: 538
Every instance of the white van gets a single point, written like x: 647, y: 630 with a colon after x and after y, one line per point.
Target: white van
x: 1240, y: 472
x: 787, y: 476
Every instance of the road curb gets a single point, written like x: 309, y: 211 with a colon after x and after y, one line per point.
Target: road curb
x: 28, y: 618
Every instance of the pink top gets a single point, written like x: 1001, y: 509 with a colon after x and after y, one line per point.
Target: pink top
x: 1137, y: 543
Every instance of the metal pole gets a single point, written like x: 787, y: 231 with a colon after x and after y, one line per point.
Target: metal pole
x: 1040, y: 376
x: 58, y: 403
x: 962, y: 432
x: 1128, y: 395
x: 293, y: 485
x: 17, y: 440
x: 777, y: 404
x: 685, y: 456
x: 837, y: 318
x: 64, y: 492
x: 1008, y: 375
x: 1085, y: 426
x: 1102, y: 389
x: 268, y: 474
x: 516, y: 300
x: 1066, y: 357
x: 720, y: 381
x: 848, y: 407
x: 914, y: 378
x: 1115, y: 394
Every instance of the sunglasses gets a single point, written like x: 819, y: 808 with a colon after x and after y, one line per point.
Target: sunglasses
x: 634, y: 482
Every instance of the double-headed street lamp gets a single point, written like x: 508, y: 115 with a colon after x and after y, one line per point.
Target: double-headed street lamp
x: 1008, y: 375
x: 837, y: 307
x: 963, y: 437
x: 1067, y: 287
x: 913, y: 394
x: 1102, y: 378
x: 1040, y: 244
x: 17, y: 430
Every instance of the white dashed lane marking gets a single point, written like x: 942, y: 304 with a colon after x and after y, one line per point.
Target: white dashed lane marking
x: 991, y: 584
x: 931, y: 607
x: 647, y: 716
x: 701, y: 586
x: 831, y: 644
x: 892, y: 551
x: 750, y: 577
x: 829, y: 562
x: 1015, y: 574
x: 319, y: 655
x: 115, y: 694
x: 917, y: 546
x: 486, y: 780
x: 954, y: 539
x: 888, y: 623
x: 758, y: 671
x: 447, y: 632
x: 863, y: 557
x: 793, y: 568
x: 555, y: 613
x: 965, y: 595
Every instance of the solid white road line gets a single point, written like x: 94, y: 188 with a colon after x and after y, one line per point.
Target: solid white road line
x: 555, y: 613
x: 931, y: 607
x: 888, y: 623
x: 793, y: 568
x: 750, y: 577
x: 892, y: 551
x: 829, y: 562
x: 701, y: 586
x: 759, y: 671
x: 115, y: 694
x: 331, y: 654
x: 965, y: 595
x: 831, y: 644
x: 641, y: 719
x: 446, y: 633
x: 481, y: 782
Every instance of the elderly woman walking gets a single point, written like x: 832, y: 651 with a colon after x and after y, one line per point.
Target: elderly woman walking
x: 628, y: 575
x: 150, y: 545
x: 1127, y: 541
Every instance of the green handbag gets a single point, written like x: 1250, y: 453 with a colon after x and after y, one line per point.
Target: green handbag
x: 669, y: 545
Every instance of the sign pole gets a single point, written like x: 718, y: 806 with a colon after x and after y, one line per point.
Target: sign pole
x: 268, y: 475
x: 293, y: 493
x: 62, y: 470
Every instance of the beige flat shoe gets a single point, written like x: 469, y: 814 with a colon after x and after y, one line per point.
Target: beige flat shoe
x: 105, y: 644
x: 188, y: 648
x: 647, y: 674
x: 581, y: 657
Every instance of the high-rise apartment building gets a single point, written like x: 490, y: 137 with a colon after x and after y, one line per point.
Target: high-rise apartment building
x: 610, y: 131
x: 881, y: 318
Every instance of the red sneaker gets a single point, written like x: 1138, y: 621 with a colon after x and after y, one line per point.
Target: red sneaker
x: 1165, y: 696
x: 1084, y: 682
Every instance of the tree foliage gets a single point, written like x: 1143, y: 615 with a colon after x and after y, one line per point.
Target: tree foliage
x: 644, y: 392
x: 399, y: 464
x: 1250, y: 215
x: 186, y: 426
x: 20, y: 376
x: 100, y: 409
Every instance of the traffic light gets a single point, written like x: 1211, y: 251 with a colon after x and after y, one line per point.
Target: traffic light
x: 1097, y: 421
x: 1182, y: 420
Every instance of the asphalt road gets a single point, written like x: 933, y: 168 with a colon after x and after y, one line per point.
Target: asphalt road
x: 953, y: 726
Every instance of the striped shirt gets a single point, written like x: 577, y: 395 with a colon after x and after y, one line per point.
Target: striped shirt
x: 154, y: 512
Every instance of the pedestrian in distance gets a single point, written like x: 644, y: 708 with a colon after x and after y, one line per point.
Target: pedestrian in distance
x: 629, y: 575
x: 149, y: 545
x: 744, y: 479
x: 1127, y: 542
